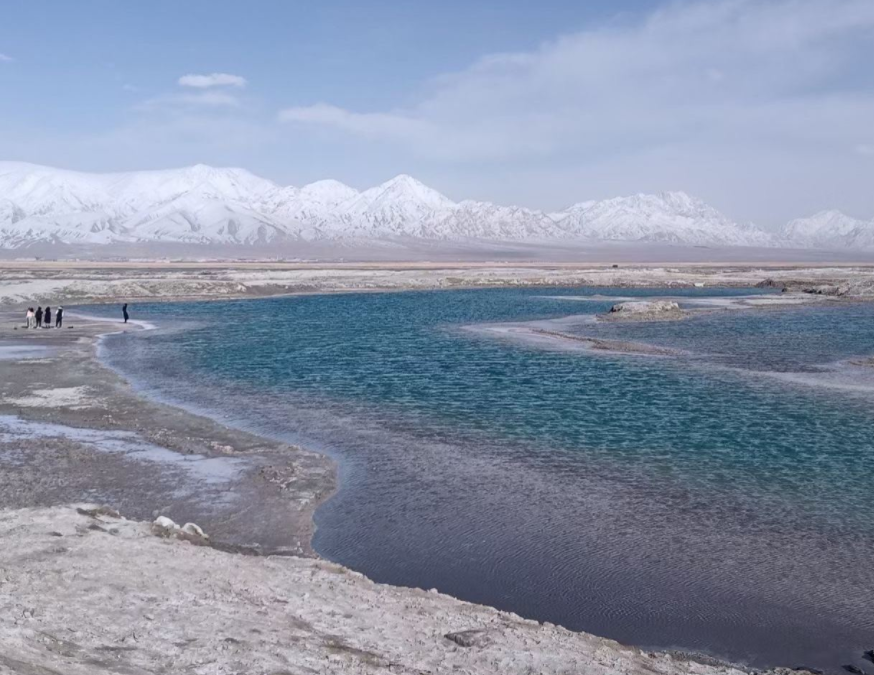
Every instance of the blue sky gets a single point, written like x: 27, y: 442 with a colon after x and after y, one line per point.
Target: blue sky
x: 764, y: 108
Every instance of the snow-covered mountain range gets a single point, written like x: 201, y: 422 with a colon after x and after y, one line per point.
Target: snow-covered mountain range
x: 830, y: 230
x: 206, y: 205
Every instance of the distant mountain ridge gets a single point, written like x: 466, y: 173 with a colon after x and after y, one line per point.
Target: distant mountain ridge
x: 832, y: 230
x: 208, y: 205
x: 668, y: 217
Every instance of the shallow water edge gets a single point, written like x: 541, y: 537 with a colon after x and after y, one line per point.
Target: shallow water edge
x: 312, y: 422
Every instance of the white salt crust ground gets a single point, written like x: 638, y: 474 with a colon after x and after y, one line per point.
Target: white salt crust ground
x: 86, y: 594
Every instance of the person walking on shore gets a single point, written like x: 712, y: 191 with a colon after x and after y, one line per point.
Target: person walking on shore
x: 124, y: 312
x: 47, y: 318
x: 29, y: 317
x: 39, y: 317
x: 59, y: 317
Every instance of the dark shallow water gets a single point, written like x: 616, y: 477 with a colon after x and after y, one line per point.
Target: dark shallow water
x: 690, y: 503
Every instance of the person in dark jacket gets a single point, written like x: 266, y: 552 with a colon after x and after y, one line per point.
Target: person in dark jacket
x: 47, y: 317
x: 39, y: 317
x: 124, y: 312
x: 59, y: 317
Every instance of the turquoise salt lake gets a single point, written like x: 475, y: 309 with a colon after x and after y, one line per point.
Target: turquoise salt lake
x: 720, y: 501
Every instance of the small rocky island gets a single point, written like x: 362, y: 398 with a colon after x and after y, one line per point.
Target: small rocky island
x: 645, y: 310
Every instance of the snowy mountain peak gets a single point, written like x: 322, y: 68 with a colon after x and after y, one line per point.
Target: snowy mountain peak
x: 579, y: 206
x: 831, y: 221
x: 211, y: 205
x: 407, y: 187
x: 405, y: 180
x: 830, y: 229
x: 329, y: 190
x: 669, y: 217
x: 680, y: 200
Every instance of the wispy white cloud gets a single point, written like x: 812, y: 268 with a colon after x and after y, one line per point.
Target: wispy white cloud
x: 198, y: 91
x: 692, y: 70
x: 180, y: 101
x: 866, y: 149
x: 5, y: 58
x: 212, y: 80
x: 692, y: 83
x: 375, y: 125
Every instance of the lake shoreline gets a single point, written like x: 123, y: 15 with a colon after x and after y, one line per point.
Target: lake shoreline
x: 58, y: 391
x: 290, y: 481
x: 70, y: 413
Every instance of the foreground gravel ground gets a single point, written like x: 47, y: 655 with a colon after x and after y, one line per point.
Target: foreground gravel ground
x: 84, y: 594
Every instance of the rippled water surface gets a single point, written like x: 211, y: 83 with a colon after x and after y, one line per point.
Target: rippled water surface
x: 722, y: 501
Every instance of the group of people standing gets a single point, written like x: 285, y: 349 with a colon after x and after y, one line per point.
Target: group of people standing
x: 42, y: 318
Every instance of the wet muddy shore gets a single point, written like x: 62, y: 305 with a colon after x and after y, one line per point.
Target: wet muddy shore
x: 72, y: 430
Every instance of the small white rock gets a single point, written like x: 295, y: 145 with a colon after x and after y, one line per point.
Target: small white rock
x: 165, y: 522
x: 191, y: 528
